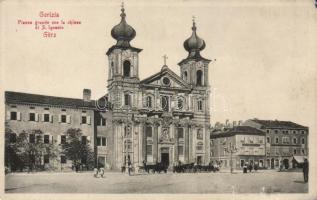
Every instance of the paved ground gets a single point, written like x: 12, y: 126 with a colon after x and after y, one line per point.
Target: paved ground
x: 266, y: 181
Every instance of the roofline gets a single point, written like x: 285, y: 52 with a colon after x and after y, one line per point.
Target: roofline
x: 122, y: 48
x: 44, y: 104
x: 277, y: 127
x: 166, y: 70
x: 229, y: 134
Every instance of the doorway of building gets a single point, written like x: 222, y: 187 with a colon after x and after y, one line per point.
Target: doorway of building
x: 272, y: 163
x: 165, y: 159
x: 286, y: 163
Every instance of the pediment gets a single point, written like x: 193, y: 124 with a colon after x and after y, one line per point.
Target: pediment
x: 165, y: 78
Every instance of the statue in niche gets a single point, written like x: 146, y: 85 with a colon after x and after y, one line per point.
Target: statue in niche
x: 164, y: 134
x: 127, y: 131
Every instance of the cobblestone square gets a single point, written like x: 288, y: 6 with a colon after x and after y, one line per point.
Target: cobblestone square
x: 264, y: 181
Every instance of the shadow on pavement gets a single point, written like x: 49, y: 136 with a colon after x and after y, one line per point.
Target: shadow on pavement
x: 299, y: 181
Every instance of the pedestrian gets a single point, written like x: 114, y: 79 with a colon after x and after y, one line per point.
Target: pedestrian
x: 305, y: 170
x: 129, y: 167
x: 101, y: 171
x: 95, y: 172
x: 144, y: 166
x: 250, y: 167
x: 245, y: 170
x: 255, y: 167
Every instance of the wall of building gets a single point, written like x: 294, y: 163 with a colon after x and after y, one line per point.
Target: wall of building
x: 54, y: 128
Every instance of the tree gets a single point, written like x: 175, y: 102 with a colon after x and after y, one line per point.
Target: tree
x: 76, y: 150
x: 20, y: 152
x: 11, y: 158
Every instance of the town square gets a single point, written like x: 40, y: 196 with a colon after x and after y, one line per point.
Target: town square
x: 203, y: 98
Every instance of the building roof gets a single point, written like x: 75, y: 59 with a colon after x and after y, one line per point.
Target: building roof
x: 237, y: 130
x: 26, y: 98
x: 278, y: 124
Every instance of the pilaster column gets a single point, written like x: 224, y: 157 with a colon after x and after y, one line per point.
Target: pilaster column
x: 155, y: 141
x: 176, y: 157
x: 186, y: 146
x: 144, y: 143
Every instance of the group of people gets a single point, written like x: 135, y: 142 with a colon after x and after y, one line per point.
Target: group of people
x: 250, y: 167
x: 99, y: 172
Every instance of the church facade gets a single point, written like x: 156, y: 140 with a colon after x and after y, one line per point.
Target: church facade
x: 164, y: 118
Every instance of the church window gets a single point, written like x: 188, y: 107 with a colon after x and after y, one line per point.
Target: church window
x: 148, y: 131
x: 199, y: 76
x: 185, y: 75
x: 126, y: 68
x: 166, y: 81
x: 149, y: 150
x: 200, y: 105
x: 149, y: 101
x: 180, y: 103
x: 199, y: 146
x: 127, y: 100
x: 165, y: 103
x: 180, y: 133
x: 180, y: 150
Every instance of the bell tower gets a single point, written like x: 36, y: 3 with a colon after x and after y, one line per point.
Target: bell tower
x: 123, y: 61
x: 194, y: 68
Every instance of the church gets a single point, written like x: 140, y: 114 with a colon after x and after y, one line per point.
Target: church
x: 164, y: 118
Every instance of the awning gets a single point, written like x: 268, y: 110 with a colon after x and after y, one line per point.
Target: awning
x: 299, y: 159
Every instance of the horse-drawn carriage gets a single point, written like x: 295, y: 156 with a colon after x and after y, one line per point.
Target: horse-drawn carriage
x: 158, y: 167
x: 192, y: 167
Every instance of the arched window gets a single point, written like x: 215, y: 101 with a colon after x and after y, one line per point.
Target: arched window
x: 185, y: 75
x: 199, y: 76
x: 180, y: 103
x: 126, y: 68
x: 199, y: 105
x: 149, y: 101
x: 127, y: 100
x: 165, y: 103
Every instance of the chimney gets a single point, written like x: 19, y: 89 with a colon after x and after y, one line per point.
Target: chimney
x: 86, y: 94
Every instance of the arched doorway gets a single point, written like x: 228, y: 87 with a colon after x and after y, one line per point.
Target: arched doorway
x: 272, y: 163
x: 126, y: 68
x: 286, y: 163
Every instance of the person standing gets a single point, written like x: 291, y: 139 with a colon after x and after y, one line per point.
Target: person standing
x: 305, y: 170
x: 129, y: 167
x: 245, y: 170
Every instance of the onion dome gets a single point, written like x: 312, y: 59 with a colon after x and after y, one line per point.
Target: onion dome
x: 194, y: 44
x: 123, y: 32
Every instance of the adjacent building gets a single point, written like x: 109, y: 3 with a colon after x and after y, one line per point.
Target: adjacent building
x: 286, y: 141
x: 53, y: 116
x: 237, y: 146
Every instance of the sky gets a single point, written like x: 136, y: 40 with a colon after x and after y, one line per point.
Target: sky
x: 265, y: 64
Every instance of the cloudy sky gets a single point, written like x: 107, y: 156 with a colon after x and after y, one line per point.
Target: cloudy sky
x: 265, y: 65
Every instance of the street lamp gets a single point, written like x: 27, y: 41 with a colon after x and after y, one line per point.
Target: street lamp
x: 231, y: 149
